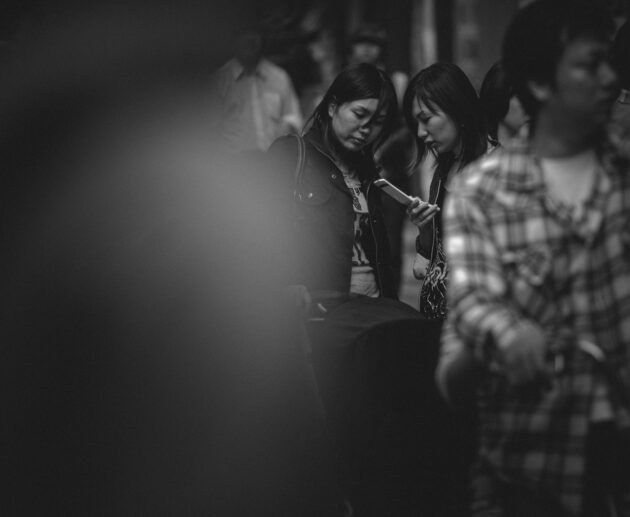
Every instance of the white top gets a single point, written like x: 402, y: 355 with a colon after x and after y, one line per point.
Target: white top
x: 363, y: 279
x: 254, y: 108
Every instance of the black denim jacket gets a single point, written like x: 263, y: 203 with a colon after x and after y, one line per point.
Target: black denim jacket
x: 323, y: 227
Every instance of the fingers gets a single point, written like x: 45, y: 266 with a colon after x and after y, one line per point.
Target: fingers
x: 416, y: 202
x: 420, y: 212
x: 423, y: 217
x: 526, y: 367
x: 524, y: 357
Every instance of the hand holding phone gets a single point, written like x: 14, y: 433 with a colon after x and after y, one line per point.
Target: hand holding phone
x: 421, y: 212
x: 393, y: 191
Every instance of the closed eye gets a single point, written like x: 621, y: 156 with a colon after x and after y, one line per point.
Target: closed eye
x: 423, y: 116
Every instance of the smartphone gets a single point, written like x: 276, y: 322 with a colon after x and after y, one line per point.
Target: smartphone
x: 393, y: 191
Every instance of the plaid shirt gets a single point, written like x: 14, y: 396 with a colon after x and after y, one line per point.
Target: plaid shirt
x: 515, y: 256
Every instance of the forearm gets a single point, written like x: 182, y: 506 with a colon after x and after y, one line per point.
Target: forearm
x: 485, y: 323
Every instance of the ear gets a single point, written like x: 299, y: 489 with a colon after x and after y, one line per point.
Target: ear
x: 331, y: 109
x: 540, y: 91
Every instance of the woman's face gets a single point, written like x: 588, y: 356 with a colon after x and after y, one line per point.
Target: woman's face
x: 356, y: 124
x: 436, y: 129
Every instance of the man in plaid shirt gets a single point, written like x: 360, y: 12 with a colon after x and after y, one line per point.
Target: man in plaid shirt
x: 538, y: 241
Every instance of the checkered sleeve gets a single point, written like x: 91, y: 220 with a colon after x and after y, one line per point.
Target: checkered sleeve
x: 479, y: 309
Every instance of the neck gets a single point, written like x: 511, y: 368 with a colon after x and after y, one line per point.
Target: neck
x: 345, y: 159
x: 553, y: 138
x: 447, y: 167
x: 249, y: 66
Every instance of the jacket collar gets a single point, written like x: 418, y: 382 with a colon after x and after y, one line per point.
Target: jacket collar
x: 367, y: 169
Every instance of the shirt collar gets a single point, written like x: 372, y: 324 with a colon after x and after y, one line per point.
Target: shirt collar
x: 524, y: 173
x: 238, y: 71
x: 533, y: 181
x: 522, y: 170
x: 316, y: 139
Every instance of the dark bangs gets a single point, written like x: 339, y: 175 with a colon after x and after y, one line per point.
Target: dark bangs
x: 445, y: 87
x: 360, y: 81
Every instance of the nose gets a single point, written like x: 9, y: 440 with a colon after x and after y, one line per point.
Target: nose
x: 422, y: 131
x: 365, y: 129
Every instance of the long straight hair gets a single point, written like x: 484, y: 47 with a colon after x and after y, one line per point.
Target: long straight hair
x: 360, y: 81
x: 444, y: 86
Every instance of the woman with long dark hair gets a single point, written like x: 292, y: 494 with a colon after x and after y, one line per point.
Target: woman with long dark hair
x: 443, y: 111
x: 339, y: 234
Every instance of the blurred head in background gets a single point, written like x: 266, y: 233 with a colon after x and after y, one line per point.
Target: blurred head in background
x: 249, y: 48
x: 619, y: 128
x: 504, y: 114
x: 556, y: 55
x: 621, y: 55
x: 367, y: 45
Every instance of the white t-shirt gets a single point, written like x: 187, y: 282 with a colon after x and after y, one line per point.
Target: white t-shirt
x: 363, y: 279
x: 570, y: 181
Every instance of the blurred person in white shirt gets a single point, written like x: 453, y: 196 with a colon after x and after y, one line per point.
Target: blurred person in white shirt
x: 256, y: 99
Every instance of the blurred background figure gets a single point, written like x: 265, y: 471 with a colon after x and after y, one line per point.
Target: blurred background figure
x: 257, y: 102
x: 368, y: 44
x: 530, y: 232
x: 620, y: 124
x: 504, y: 114
x: 148, y: 364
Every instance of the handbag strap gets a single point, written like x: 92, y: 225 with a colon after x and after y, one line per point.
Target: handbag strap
x: 299, y: 167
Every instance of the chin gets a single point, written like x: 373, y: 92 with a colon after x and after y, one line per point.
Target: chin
x: 353, y: 148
